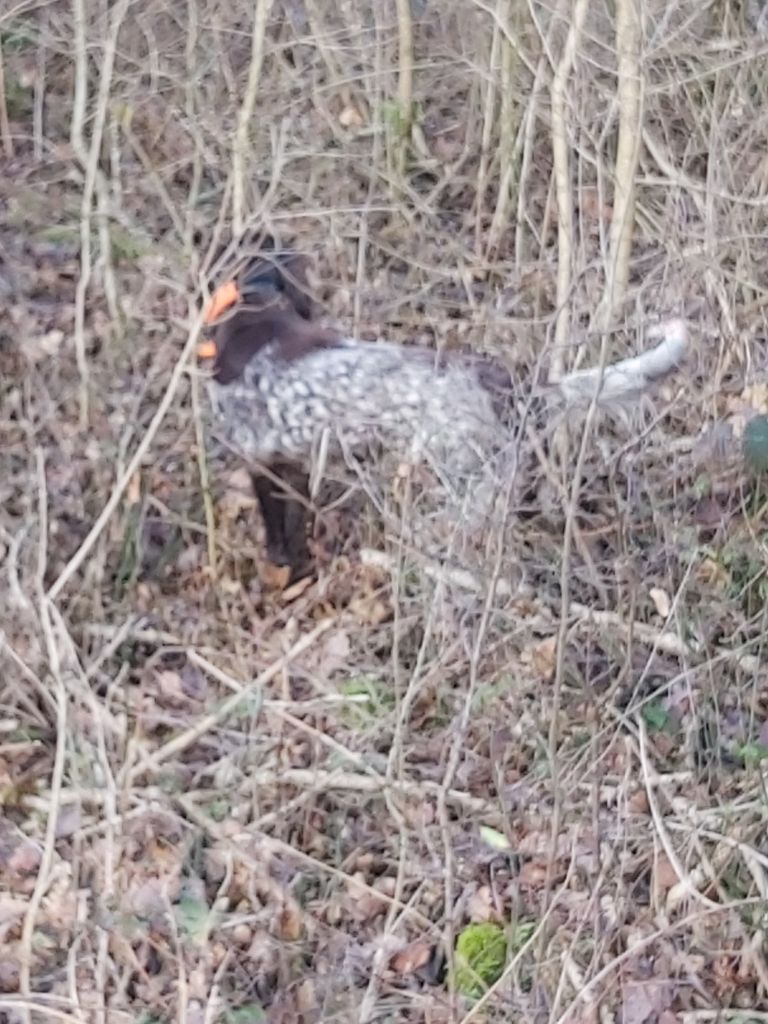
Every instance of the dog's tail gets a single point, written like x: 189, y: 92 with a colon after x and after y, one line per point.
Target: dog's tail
x: 619, y: 383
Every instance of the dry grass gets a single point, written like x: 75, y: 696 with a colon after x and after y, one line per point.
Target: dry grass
x: 217, y: 798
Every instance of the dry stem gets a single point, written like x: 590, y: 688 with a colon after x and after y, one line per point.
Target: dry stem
x: 240, y: 145
x: 630, y: 101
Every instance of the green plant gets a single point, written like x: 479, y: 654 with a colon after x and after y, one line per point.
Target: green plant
x: 481, y: 953
x: 656, y: 717
x: 755, y: 443
x: 752, y: 754
x: 252, y: 1013
x: 360, y: 714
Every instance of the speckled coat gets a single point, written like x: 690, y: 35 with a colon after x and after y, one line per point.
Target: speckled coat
x: 285, y: 391
x: 356, y: 397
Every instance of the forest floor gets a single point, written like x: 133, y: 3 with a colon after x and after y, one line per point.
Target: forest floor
x: 228, y: 801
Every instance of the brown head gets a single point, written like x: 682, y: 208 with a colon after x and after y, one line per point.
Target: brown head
x: 278, y: 281
x: 268, y: 303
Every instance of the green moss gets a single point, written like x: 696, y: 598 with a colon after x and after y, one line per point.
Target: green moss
x: 480, y: 955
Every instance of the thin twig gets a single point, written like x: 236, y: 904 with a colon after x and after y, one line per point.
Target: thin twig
x: 490, y: 119
x: 143, y: 447
x: 630, y: 99
x: 240, y: 148
x: 511, y: 129
x: 43, y: 878
x: 560, y: 150
x: 404, y: 81
x: 593, y: 986
x: 318, y: 780
x: 205, y: 481
x: 90, y: 160
x: 231, y: 704
x: 658, y: 821
x: 5, y: 124
x: 282, y: 850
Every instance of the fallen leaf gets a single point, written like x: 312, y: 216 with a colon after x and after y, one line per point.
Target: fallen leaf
x: 541, y: 656
x: 296, y: 589
x: 361, y: 903
x: 289, y: 923
x: 169, y: 686
x: 480, y: 905
x: 533, y: 874
x: 334, y: 652
x: 668, y: 1017
x: 9, y: 973
x: 146, y: 898
x: 420, y: 815
x: 274, y: 577
x: 238, y: 494
x: 59, y: 906
x: 712, y: 573
x: 664, y: 873
x: 709, y: 513
x: 661, y: 601
x: 11, y: 909
x: 306, y: 996
x: 133, y: 491
x: 18, y: 855
x: 412, y: 957
x: 638, y: 802
x: 491, y: 837
x: 370, y: 611
x: 194, y: 684
x: 678, y: 701
x: 242, y: 935
x: 350, y: 117
x: 644, y: 1000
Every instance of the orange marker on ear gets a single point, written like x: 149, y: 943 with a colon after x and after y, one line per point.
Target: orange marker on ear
x: 226, y: 295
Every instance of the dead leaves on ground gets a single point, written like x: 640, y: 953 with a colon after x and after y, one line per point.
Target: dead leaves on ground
x: 221, y: 905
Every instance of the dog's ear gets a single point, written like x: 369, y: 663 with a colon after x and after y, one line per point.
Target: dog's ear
x: 247, y: 249
x: 262, y: 241
x: 264, y: 280
x: 294, y: 268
